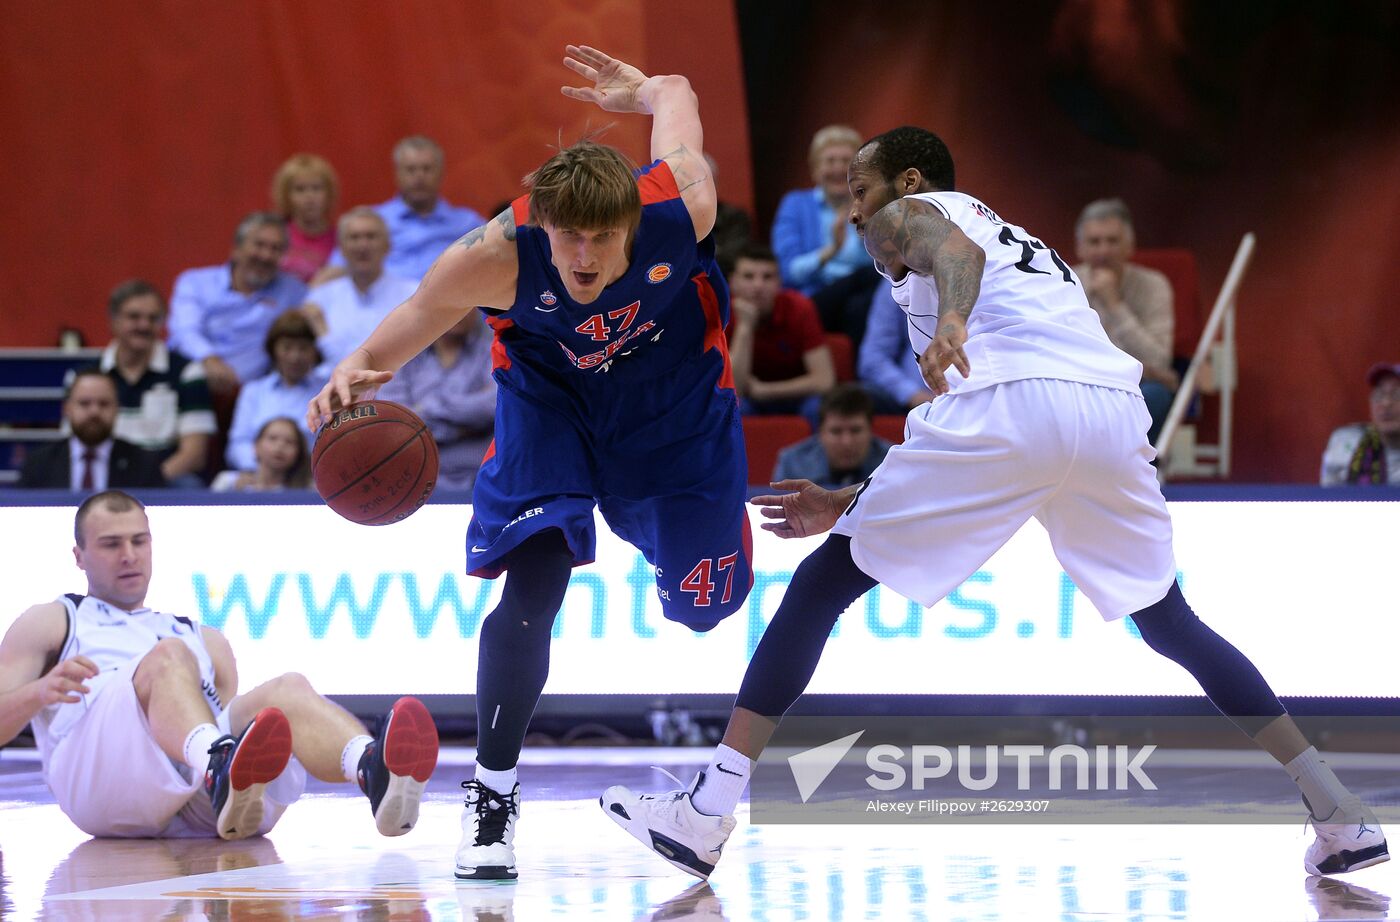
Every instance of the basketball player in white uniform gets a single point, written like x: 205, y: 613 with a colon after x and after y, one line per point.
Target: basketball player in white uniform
x: 138, y: 724
x: 1036, y: 414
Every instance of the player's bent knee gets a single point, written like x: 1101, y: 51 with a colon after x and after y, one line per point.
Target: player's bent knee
x: 168, y: 654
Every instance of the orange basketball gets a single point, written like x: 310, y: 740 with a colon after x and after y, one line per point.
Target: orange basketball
x: 375, y: 462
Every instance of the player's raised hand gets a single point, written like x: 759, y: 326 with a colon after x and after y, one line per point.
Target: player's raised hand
x: 615, y: 83
x: 945, y: 350
x: 352, y: 380
x: 807, y: 510
x: 64, y: 683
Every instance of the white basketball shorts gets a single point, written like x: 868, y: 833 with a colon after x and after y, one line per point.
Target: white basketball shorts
x: 975, y: 466
x: 112, y: 779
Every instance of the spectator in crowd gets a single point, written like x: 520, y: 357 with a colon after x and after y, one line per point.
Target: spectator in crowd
x: 421, y: 222
x: 219, y: 315
x: 281, y: 459
x: 845, y: 449
x: 887, y: 364
x: 777, y: 349
x: 1133, y: 302
x: 449, y: 385
x: 304, y: 193
x: 820, y: 255
x: 91, y: 459
x: 1369, y: 453
x: 162, y: 398
x: 811, y: 231
x: 343, y: 312
x: 285, y: 391
x: 733, y: 229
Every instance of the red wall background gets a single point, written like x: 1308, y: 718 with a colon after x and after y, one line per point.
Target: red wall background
x: 137, y: 133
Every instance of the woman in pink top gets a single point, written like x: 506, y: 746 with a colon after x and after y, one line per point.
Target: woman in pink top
x: 304, y: 192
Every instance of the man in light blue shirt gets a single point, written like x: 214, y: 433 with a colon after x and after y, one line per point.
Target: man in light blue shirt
x: 421, y: 222
x: 220, y: 314
x: 887, y: 363
x: 345, y: 311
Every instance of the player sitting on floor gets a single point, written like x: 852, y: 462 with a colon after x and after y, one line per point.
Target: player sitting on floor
x: 134, y: 711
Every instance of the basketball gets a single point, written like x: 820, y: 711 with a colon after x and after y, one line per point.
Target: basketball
x: 375, y: 462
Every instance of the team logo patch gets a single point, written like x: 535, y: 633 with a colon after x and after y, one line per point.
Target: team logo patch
x: 659, y: 273
x: 547, y: 298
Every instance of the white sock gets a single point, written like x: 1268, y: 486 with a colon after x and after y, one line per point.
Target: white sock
x: 350, y: 756
x: 725, y: 780
x: 196, y: 748
x: 1321, y: 788
x: 502, y: 782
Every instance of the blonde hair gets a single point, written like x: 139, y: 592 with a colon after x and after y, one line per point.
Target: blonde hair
x: 586, y: 186
x: 832, y: 134
x: 297, y: 167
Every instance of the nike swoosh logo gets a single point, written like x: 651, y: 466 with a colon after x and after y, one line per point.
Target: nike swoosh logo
x: 479, y: 550
x: 728, y: 772
x: 546, y: 310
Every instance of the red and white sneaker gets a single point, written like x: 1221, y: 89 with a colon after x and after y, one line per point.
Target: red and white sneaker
x: 395, y: 768
x: 240, y: 769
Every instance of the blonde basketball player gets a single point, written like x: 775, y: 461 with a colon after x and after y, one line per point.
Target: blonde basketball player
x: 139, y: 726
x: 1036, y: 414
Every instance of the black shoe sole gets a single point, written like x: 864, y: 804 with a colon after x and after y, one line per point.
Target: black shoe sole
x: 488, y: 872
x: 1345, y: 860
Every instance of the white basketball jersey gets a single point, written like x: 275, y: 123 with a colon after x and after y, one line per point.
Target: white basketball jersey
x: 1031, y: 318
x: 112, y: 637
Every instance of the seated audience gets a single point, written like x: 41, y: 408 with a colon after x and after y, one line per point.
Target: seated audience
x: 845, y: 449
x: 219, y: 315
x: 449, y: 385
x: 285, y: 391
x: 779, y: 354
x: 887, y: 364
x: 1133, y: 302
x: 162, y: 398
x: 733, y: 228
x: 91, y: 459
x: 281, y: 460
x: 812, y: 233
x: 1369, y: 453
x: 304, y: 192
x: 421, y: 222
x: 343, y: 312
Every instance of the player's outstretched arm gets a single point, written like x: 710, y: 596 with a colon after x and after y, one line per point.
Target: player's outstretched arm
x: 807, y: 510
x: 479, y: 270
x: 909, y: 235
x: 31, y: 643
x: 676, y: 134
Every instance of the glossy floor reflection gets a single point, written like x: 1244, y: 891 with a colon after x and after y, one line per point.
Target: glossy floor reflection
x: 324, y: 861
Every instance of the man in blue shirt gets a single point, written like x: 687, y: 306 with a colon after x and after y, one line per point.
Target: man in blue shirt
x: 343, y: 312
x: 219, y: 315
x: 421, y: 222
x: 845, y: 449
x: 886, y: 364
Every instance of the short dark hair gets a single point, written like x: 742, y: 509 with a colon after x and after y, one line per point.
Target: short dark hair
x: 290, y: 324
x: 756, y: 252
x: 132, y: 288
x: 906, y: 146
x: 848, y: 399
x: 114, y: 500
x: 87, y: 371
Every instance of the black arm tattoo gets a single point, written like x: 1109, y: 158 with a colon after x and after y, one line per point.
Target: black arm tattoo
x: 474, y: 236
x: 684, y: 178
x: 910, y: 233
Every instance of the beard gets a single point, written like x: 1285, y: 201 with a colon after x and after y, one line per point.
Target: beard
x: 92, y: 431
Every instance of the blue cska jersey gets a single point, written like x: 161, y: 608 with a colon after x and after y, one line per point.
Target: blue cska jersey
x: 665, y: 316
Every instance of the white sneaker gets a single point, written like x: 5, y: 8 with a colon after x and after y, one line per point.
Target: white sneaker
x: 487, y: 851
x: 669, y: 825
x: 1348, y: 840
